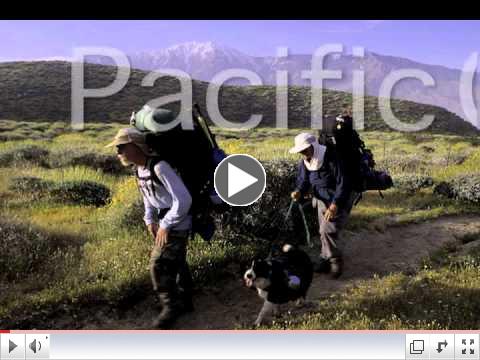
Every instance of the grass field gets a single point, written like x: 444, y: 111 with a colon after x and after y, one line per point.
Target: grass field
x: 63, y: 253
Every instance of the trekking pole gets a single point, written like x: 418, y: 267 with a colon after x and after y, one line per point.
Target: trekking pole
x: 289, y: 210
x: 281, y: 226
x: 307, y: 232
x: 204, y: 126
x: 300, y: 207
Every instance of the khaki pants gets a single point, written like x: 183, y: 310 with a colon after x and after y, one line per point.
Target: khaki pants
x: 330, y: 230
x: 168, y: 264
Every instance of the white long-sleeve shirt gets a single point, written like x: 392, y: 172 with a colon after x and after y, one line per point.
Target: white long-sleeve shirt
x: 170, y: 194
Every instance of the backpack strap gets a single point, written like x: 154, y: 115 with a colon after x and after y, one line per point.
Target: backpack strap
x: 151, y: 162
x: 138, y: 184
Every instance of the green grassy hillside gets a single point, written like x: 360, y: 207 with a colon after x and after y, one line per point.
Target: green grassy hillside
x: 40, y: 91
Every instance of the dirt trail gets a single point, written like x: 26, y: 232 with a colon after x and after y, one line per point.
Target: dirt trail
x: 366, y: 253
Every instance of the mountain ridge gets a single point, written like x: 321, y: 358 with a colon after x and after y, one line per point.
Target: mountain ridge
x: 41, y: 91
x: 204, y: 65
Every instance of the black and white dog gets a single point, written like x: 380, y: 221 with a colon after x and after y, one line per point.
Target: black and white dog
x: 284, y: 276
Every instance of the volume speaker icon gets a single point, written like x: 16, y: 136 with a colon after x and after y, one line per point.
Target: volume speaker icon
x: 35, y: 346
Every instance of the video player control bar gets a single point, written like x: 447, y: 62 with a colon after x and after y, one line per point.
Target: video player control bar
x: 239, y: 345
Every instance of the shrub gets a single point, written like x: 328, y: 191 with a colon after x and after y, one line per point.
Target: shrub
x: 81, y: 193
x: 76, y: 192
x: 265, y: 219
x: 30, y: 185
x: 25, y: 249
x: 107, y: 163
x: 412, y: 182
x: 30, y: 153
x: 13, y: 137
x: 451, y: 159
x: 428, y: 149
x: 463, y: 187
x: 444, y: 188
x: 403, y: 164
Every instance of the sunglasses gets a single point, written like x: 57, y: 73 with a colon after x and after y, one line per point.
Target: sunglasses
x: 120, y: 148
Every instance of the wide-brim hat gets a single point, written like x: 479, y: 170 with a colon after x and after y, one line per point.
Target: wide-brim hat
x: 302, y: 141
x: 130, y: 135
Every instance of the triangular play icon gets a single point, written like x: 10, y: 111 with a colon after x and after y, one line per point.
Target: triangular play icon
x: 238, y: 180
x: 11, y: 346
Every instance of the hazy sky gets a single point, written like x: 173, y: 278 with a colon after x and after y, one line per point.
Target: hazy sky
x: 446, y: 43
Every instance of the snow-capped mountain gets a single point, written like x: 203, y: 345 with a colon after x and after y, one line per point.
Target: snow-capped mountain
x: 201, y: 60
x: 204, y: 60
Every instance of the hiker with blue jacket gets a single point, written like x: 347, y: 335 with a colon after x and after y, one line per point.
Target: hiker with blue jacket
x: 324, y: 173
x: 167, y: 203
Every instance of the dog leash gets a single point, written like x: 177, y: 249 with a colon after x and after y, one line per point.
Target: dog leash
x: 300, y: 207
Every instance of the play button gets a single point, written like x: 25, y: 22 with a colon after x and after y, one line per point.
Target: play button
x: 11, y: 346
x: 240, y: 180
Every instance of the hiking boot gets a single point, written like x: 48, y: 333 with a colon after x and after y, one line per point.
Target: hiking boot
x: 336, y: 267
x: 169, y: 312
x: 322, y: 266
x: 187, y: 302
x: 188, y: 305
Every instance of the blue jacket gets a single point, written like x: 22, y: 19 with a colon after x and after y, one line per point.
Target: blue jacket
x: 329, y: 184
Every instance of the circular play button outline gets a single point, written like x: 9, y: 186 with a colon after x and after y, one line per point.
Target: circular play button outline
x: 224, y: 194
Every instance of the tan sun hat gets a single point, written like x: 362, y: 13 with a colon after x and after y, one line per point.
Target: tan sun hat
x: 130, y: 135
x: 302, y: 141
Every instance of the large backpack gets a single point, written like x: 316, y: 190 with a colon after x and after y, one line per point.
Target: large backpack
x: 338, y: 134
x: 194, y: 154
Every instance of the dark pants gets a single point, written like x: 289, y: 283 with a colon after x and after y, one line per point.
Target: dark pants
x: 169, y: 268
x: 330, y: 230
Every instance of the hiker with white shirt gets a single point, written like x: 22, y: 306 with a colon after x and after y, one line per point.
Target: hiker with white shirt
x: 167, y: 216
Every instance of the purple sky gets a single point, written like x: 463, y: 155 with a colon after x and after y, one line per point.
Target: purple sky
x: 447, y: 43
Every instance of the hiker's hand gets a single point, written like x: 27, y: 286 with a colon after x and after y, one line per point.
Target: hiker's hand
x: 162, y: 237
x: 331, y: 212
x: 153, y: 229
x: 295, y: 195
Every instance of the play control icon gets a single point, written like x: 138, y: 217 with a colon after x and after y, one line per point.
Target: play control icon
x: 240, y: 180
x: 12, y: 346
